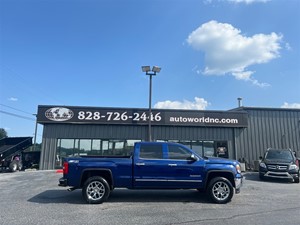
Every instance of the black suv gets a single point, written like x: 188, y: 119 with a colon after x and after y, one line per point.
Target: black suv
x: 279, y: 163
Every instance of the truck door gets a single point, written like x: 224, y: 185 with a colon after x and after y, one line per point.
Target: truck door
x: 149, y: 168
x: 184, y: 170
x: 163, y: 165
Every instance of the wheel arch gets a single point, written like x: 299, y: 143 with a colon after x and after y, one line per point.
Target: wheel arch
x: 229, y: 175
x: 91, y: 172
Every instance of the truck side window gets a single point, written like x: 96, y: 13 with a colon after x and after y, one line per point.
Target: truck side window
x: 177, y: 152
x: 151, y: 152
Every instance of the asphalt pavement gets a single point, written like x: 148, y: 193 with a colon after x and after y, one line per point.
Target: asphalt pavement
x: 33, y: 197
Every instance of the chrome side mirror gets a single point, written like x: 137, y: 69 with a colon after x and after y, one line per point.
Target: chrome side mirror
x: 193, y: 158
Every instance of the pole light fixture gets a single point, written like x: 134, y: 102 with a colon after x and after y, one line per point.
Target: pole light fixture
x: 146, y: 69
x: 150, y: 72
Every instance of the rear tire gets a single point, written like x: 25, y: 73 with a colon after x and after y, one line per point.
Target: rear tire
x: 220, y: 190
x: 20, y: 166
x: 95, y: 190
x: 13, y: 166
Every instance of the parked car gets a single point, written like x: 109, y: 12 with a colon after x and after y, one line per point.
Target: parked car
x: 280, y: 164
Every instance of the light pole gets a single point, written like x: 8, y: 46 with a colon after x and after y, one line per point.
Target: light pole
x: 35, y: 131
x: 148, y: 71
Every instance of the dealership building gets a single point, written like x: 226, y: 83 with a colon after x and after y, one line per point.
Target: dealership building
x: 243, y: 133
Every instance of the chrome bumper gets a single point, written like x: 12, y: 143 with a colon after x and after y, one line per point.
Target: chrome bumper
x: 238, y: 184
x: 280, y: 175
x: 63, y: 182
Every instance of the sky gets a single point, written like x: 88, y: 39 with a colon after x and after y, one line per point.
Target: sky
x: 90, y: 53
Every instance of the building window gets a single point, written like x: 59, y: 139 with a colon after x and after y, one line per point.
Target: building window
x: 85, y: 146
x: 76, y: 147
x: 221, y: 149
x: 105, y: 147
x: 197, y: 147
x: 208, y: 148
x: 129, y: 146
x: 96, y: 147
x: 65, y: 148
x: 116, y: 147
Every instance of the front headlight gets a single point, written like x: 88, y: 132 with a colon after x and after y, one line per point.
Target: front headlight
x: 263, y: 165
x: 294, y: 167
x: 238, y: 168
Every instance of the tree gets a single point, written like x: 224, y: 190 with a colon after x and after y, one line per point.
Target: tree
x: 3, y: 133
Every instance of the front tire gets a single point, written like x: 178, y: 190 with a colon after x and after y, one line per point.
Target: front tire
x: 220, y: 190
x: 296, y: 180
x: 261, y: 177
x: 95, y: 190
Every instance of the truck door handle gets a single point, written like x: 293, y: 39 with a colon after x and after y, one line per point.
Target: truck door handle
x: 140, y: 164
x: 172, y: 164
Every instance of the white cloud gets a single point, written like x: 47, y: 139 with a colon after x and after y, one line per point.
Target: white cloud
x: 198, y: 104
x: 227, y: 51
x: 248, y: 1
x: 13, y: 99
x: 288, y: 46
x: 246, y: 75
x: 291, y: 105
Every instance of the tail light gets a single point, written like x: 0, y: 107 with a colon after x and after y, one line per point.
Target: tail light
x: 297, y: 162
x: 66, y: 168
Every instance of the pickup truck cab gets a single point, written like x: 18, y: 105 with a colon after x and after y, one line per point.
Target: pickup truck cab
x: 152, y: 165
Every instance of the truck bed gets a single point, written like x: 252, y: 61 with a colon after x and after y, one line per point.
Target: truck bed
x: 10, y: 146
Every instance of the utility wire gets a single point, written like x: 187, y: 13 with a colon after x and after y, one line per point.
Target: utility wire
x: 16, y: 115
x: 16, y: 109
x: 34, y: 91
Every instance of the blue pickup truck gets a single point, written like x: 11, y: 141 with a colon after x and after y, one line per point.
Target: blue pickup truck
x: 152, y: 165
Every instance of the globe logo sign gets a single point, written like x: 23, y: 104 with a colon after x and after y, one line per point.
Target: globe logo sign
x: 59, y: 114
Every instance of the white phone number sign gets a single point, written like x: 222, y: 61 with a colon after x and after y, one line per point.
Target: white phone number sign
x: 118, y: 116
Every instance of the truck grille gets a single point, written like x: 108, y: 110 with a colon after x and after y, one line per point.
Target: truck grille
x: 278, y: 167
